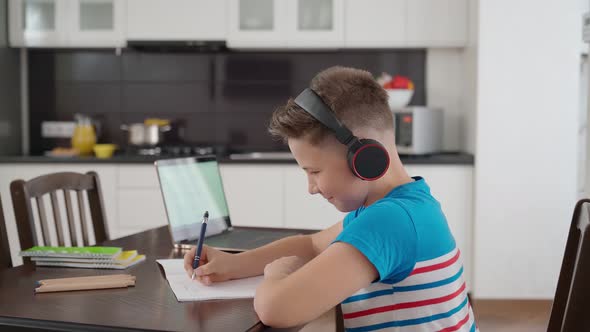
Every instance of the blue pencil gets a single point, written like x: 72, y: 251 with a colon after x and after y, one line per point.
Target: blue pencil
x: 200, y: 243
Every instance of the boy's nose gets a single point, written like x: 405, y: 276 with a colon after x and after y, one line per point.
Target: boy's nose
x: 313, y: 189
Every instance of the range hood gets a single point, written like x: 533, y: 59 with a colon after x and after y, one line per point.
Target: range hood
x: 177, y: 45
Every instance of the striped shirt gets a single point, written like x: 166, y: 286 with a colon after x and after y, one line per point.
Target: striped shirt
x: 421, y: 285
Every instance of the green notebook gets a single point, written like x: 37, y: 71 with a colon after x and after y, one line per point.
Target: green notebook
x: 120, y: 258
x: 99, y: 264
x: 94, y: 252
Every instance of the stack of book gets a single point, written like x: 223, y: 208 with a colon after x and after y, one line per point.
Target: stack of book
x: 83, y: 257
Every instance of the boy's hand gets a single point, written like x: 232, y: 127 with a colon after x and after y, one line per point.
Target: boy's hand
x: 214, y: 265
x: 282, y: 267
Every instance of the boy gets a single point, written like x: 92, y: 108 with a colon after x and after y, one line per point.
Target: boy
x: 392, y: 262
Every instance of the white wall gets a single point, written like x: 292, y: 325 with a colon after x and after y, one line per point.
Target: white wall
x: 451, y: 84
x: 470, y: 78
x: 527, y: 111
x: 444, y: 88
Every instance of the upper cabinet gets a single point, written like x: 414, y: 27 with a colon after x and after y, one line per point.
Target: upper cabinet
x: 433, y: 23
x: 176, y: 20
x: 285, y: 23
x: 347, y: 23
x: 315, y: 23
x: 37, y: 22
x: 67, y: 23
x: 97, y: 23
x: 406, y: 23
x: 375, y: 23
x: 255, y: 24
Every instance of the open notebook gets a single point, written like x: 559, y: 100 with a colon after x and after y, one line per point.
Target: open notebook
x: 186, y: 289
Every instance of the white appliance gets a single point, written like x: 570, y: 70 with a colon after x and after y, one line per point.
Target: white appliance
x: 418, y: 130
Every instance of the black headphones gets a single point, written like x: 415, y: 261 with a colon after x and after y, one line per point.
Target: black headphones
x: 367, y: 158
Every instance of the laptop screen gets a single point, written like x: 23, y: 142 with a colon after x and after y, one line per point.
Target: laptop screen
x: 191, y: 186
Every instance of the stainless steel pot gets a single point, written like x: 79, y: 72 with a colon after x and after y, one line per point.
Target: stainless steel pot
x: 140, y: 134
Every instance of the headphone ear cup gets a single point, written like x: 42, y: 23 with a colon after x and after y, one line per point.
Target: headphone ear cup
x: 368, y: 160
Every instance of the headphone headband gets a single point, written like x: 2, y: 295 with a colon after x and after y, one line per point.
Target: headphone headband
x: 312, y: 103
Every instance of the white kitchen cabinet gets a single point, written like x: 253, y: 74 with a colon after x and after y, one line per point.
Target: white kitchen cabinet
x: 303, y: 210
x: 315, y: 23
x: 375, y: 23
x: 139, y: 209
x: 134, y: 176
x: 67, y: 23
x: 257, y: 23
x: 97, y: 23
x: 37, y: 23
x: 452, y: 186
x: 261, y: 195
x: 285, y: 23
x: 254, y: 194
x: 406, y: 23
x: 433, y: 23
x: 10, y: 172
x: 140, y: 203
x: 180, y: 20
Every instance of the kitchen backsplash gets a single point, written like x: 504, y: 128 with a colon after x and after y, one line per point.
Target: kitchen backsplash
x: 10, y: 112
x: 221, y: 98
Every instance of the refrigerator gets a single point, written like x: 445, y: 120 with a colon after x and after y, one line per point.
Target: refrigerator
x: 10, y: 94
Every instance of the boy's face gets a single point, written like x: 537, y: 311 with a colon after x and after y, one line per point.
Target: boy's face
x: 328, y: 173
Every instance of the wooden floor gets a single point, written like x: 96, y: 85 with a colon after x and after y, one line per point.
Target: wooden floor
x: 512, y: 315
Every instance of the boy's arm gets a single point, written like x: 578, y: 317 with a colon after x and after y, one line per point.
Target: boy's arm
x: 252, y: 262
x: 321, y: 240
x: 316, y: 287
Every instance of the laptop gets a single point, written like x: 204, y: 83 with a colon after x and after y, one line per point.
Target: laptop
x: 190, y: 186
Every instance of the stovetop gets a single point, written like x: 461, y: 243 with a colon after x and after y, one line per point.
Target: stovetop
x: 176, y: 150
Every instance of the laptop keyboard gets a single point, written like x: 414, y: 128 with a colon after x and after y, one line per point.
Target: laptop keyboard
x: 240, y: 238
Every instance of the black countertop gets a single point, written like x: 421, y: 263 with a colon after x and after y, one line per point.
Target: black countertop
x: 454, y: 158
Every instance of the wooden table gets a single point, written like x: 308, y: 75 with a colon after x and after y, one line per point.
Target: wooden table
x: 150, y: 305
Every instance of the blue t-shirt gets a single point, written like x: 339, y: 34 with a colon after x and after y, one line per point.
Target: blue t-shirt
x: 406, y: 237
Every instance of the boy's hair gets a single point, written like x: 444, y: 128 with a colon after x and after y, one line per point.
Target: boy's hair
x: 352, y: 94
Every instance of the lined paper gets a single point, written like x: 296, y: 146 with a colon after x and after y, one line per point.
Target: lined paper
x: 186, y: 289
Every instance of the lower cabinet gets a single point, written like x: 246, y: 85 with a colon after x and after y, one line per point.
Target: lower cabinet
x: 274, y: 196
x: 139, y: 209
x: 254, y: 194
x: 140, y: 204
x: 261, y: 195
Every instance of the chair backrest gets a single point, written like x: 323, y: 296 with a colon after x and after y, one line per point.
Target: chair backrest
x: 572, y: 297
x: 5, y: 260
x: 23, y: 192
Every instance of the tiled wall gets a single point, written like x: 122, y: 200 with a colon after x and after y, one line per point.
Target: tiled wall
x: 222, y: 98
x: 10, y: 112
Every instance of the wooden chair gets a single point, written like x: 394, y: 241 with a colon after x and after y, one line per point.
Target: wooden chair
x: 5, y: 260
x: 23, y: 192
x: 572, y: 297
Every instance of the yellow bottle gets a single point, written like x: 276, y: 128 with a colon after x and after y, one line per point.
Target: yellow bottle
x: 84, y: 136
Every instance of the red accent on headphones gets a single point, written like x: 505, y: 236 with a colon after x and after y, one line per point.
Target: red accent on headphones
x: 353, y: 162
